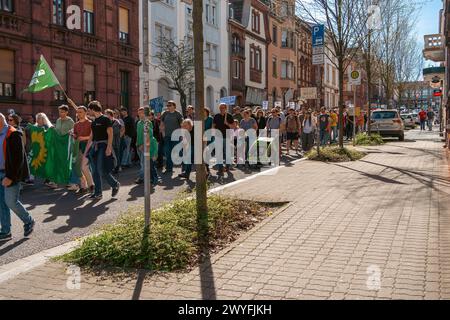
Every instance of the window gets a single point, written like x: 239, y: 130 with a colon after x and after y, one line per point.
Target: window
x: 89, y: 83
x: 58, y: 12
x: 88, y: 16
x: 258, y: 59
x: 287, y: 39
x: 255, y: 21
x: 236, y: 69
x: 124, y: 89
x: 275, y: 35
x: 124, y: 25
x: 162, y: 32
x: 236, y: 44
x: 7, y: 83
x: 211, y: 13
x: 255, y: 58
x: 6, y: 5
x: 60, y: 69
x: 287, y: 70
x: 274, y: 67
x: 211, y: 56
x: 169, y: 2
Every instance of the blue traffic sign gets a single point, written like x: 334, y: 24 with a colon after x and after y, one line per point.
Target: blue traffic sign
x: 318, y: 35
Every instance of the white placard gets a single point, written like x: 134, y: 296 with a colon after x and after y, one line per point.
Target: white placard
x: 308, y: 93
x: 318, y: 59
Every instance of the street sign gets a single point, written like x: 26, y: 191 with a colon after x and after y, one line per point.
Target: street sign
x: 354, y: 78
x: 318, y: 59
x: 437, y: 93
x: 318, y: 35
x: 308, y: 93
x: 317, y: 50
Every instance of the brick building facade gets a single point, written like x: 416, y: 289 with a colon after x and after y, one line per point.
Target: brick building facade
x: 98, y: 61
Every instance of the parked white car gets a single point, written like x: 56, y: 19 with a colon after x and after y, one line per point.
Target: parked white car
x: 388, y: 124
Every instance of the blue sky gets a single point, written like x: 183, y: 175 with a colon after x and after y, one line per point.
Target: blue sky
x: 428, y: 21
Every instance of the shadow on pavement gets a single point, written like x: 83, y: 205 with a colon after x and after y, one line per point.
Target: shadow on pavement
x: 372, y: 176
x: 79, y: 217
x: 11, y: 246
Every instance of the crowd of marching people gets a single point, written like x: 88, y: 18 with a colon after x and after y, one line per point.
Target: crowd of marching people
x: 121, y: 135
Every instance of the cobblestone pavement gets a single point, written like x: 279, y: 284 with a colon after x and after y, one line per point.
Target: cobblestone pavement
x: 373, y: 229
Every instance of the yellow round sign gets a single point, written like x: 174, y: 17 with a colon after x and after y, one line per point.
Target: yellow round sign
x: 355, y: 74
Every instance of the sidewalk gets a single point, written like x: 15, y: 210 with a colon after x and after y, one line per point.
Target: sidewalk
x: 377, y: 228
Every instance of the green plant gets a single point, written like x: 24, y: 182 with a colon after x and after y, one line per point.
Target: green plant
x: 335, y: 154
x: 172, y: 243
x: 362, y: 139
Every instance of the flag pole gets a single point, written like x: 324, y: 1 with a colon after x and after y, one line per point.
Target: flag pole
x: 67, y: 97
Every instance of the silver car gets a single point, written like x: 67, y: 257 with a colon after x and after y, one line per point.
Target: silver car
x: 388, y: 123
x: 409, y: 120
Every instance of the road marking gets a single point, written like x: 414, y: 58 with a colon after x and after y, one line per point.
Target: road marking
x: 13, y: 269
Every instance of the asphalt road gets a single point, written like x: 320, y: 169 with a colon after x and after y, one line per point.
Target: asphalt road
x: 62, y: 216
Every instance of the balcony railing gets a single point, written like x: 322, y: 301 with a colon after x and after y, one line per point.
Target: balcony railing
x: 9, y: 22
x: 237, y: 85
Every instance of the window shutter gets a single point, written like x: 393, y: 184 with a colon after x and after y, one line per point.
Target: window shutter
x: 89, y: 77
x: 6, y: 66
x: 123, y: 20
x: 60, y: 72
x: 88, y: 5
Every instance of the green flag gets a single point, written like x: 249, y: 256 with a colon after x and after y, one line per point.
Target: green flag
x: 51, y: 154
x: 43, y: 77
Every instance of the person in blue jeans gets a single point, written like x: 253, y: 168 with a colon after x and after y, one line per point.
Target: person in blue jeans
x: 100, y: 151
x: 170, y: 121
x: 13, y: 170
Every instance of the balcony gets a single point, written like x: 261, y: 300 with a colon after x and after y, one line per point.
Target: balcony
x: 9, y: 22
x: 238, y: 85
x: 90, y: 42
x: 256, y: 75
x: 434, y: 48
x: 125, y: 50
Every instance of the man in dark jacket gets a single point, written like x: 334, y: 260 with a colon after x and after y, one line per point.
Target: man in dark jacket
x: 13, y: 170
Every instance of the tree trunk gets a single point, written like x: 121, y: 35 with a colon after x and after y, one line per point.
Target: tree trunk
x: 369, y: 81
x: 183, y: 102
x: 341, y: 100
x: 201, y: 188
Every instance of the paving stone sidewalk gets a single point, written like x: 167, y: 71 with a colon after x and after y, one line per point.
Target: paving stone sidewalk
x: 373, y: 229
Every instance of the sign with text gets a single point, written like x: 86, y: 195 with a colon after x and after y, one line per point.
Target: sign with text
x: 157, y: 104
x: 308, y: 93
x: 230, y: 101
x: 318, y: 35
x: 265, y: 105
x: 318, y: 59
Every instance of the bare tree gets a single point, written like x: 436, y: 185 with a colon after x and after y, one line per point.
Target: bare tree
x: 176, y: 62
x: 344, y: 21
x: 397, y: 22
x: 408, y: 65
